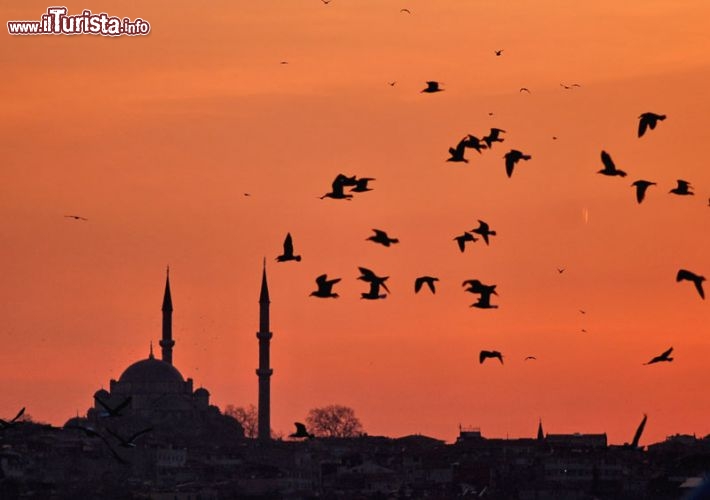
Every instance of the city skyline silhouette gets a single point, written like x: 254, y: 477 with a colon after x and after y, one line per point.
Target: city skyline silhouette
x: 152, y: 142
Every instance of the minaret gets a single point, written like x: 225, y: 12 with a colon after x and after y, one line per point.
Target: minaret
x: 540, y: 434
x: 264, y: 371
x: 167, y: 342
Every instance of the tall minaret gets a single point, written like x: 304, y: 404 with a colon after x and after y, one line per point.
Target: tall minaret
x: 264, y: 371
x: 167, y: 342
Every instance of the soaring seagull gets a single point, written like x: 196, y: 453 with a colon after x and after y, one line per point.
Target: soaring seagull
x: 484, y: 230
x: 641, y: 187
x: 461, y: 240
x: 683, y: 188
x: 665, y: 356
x: 301, y: 431
x: 649, y: 120
x: 113, y: 411
x: 697, y: 280
x: 288, y: 251
x: 325, y: 287
x: 382, y: 238
x: 431, y: 87
x: 609, y: 167
x: 511, y: 158
x: 483, y: 355
x: 428, y: 280
x: 4, y: 424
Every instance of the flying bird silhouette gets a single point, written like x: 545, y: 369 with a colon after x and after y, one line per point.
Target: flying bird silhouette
x: 484, y: 300
x: 569, y: 87
x: 406, y: 11
x: 301, y: 431
x: 76, y: 217
x: 382, y: 238
x: 529, y: 358
x: 665, y: 356
x: 288, y: 251
x: 484, y: 230
x: 90, y: 432
x: 113, y: 411
x: 392, y: 84
x: 499, y: 52
x: 474, y: 142
x: 639, y: 432
x: 338, y: 187
x: 493, y: 136
x: 524, y: 89
x: 560, y: 270
x: 609, y: 167
x: 475, y: 286
x: 457, y: 153
x: 370, y: 277
x: 649, y: 120
x: 5, y: 424
x: 361, y: 185
x: 484, y: 355
x: 374, y: 292
x: 325, y: 287
x: 431, y: 87
x: 461, y: 240
x: 641, y: 187
x: 683, y: 188
x: 428, y: 280
x: 130, y: 441
x: 697, y: 280
x: 511, y: 158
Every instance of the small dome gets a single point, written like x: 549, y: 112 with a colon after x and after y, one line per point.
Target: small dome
x: 151, y: 370
x: 102, y: 394
x: 202, y: 392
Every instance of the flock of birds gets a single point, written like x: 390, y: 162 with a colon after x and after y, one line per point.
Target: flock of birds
x: 112, y: 412
x: 377, y: 287
x: 344, y: 187
x: 109, y: 412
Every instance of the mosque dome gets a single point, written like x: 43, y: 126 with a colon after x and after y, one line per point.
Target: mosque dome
x: 151, y: 370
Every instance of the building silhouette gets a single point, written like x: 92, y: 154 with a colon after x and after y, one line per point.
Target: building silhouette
x: 155, y: 390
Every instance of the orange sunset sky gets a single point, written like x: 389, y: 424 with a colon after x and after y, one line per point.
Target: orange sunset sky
x: 155, y: 139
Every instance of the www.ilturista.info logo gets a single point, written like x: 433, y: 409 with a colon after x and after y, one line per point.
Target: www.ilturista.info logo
x: 57, y: 22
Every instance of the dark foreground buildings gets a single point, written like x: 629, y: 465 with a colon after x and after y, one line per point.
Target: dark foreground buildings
x: 45, y: 462
x: 151, y: 436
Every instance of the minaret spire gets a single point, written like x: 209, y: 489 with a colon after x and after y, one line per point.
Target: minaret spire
x: 167, y: 342
x: 264, y: 371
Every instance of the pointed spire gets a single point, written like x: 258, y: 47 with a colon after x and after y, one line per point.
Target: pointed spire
x: 150, y: 356
x: 167, y: 299
x: 167, y: 342
x: 264, y: 295
x: 540, y: 434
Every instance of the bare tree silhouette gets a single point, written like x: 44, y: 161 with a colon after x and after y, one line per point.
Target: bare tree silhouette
x: 247, y: 416
x: 334, y: 421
